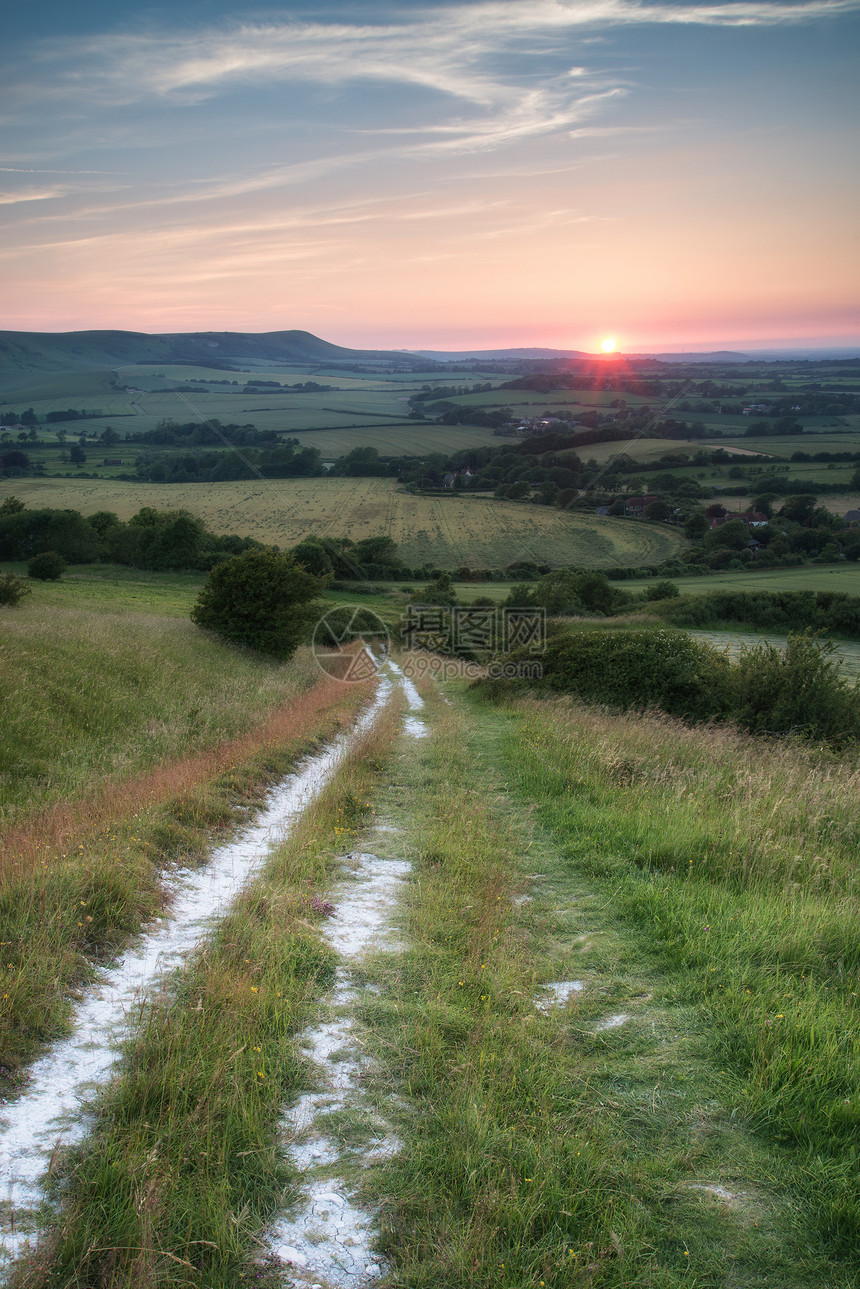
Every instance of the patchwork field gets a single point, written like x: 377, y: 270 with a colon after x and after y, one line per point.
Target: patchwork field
x: 447, y: 531
x: 135, y: 399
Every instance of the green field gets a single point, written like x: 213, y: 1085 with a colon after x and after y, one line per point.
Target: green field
x: 446, y: 531
x: 134, y: 399
x: 826, y: 577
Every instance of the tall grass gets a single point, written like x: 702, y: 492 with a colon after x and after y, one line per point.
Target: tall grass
x: 79, y: 881
x: 90, y: 698
x: 184, y: 1166
x: 739, y: 859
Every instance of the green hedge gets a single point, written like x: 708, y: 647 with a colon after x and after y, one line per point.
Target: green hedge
x: 832, y: 611
x: 799, y: 690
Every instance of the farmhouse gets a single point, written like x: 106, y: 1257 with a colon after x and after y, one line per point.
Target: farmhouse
x: 752, y: 518
x: 635, y: 505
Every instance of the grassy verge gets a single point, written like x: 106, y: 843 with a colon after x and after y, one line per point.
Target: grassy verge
x: 737, y: 859
x: 93, y: 697
x: 71, y: 899
x: 576, y: 1147
x: 184, y: 1166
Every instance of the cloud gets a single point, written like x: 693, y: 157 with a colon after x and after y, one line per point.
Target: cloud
x: 33, y: 194
x: 444, y: 50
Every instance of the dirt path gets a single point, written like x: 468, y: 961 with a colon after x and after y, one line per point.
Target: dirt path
x: 50, y: 1116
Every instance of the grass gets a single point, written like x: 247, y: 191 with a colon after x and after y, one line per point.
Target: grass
x: 78, y: 880
x: 93, y: 697
x: 184, y: 1165
x: 824, y: 577
x: 444, y: 531
x: 544, y: 1150
x: 127, y: 737
x: 700, y: 884
x: 115, y: 589
x: 736, y: 860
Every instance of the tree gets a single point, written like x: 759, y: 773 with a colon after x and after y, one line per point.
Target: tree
x: 11, y: 506
x: 798, y: 508
x: 378, y: 550
x: 313, y: 557
x: 657, y: 510
x: 438, y: 592
x: 763, y: 503
x: 261, y: 599
x: 697, y: 525
x: 14, y: 462
x: 731, y: 536
x: 664, y: 590
x: 77, y: 454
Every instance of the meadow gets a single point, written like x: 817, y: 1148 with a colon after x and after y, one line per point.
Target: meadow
x: 447, y: 531
x: 616, y: 1035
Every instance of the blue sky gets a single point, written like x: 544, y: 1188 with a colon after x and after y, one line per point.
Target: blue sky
x: 448, y: 175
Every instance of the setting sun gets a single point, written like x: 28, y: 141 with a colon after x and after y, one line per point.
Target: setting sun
x: 608, y: 345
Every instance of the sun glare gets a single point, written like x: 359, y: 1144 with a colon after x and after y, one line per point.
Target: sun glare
x: 608, y: 345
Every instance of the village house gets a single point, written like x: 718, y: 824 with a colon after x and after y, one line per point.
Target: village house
x: 752, y: 518
x: 636, y: 505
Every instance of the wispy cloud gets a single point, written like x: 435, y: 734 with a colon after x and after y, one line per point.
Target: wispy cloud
x: 31, y: 194
x: 445, y: 50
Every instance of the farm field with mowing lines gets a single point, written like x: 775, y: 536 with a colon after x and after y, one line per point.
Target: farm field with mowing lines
x: 447, y: 531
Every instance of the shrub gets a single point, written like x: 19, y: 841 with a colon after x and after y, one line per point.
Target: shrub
x: 12, y: 589
x: 640, y: 669
x: 261, y: 599
x: 796, y: 690
x: 47, y: 566
x: 439, y: 592
x: 771, y: 610
x: 664, y: 590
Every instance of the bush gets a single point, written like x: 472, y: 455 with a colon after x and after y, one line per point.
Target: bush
x: 12, y: 589
x: 662, y: 591
x: 796, y: 690
x: 438, y: 592
x: 769, y: 610
x: 261, y: 599
x: 47, y: 566
x: 640, y: 669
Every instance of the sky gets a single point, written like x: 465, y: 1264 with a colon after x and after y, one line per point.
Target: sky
x: 438, y: 176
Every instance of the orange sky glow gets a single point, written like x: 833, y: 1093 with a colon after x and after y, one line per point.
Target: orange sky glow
x: 488, y: 174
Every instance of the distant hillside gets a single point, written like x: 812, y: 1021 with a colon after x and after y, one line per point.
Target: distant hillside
x: 499, y: 355
x: 26, y: 352
x: 564, y: 355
